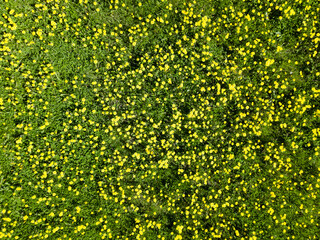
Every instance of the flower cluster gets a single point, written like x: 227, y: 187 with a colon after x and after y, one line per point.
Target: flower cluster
x: 159, y: 119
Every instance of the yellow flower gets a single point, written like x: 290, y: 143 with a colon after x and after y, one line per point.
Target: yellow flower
x: 19, y: 141
x: 179, y: 228
x: 270, y: 211
x: 269, y: 62
x: 178, y: 237
x: 279, y: 48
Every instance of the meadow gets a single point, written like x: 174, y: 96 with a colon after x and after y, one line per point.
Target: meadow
x: 159, y: 119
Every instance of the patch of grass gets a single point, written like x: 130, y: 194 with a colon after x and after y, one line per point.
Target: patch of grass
x: 159, y: 119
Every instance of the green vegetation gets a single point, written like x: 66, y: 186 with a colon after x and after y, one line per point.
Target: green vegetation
x: 159, y: 119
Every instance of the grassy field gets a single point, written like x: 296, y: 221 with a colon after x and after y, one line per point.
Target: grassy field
x: 159, y: 119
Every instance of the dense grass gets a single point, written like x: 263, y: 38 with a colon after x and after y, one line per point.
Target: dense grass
x: 159, y: 119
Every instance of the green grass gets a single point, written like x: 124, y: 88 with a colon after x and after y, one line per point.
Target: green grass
x: 159, y: 119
